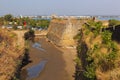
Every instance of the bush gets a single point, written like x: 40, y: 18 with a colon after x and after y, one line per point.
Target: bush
x: 101, y: 54
x: 29, y: 35
x: 114, y: 22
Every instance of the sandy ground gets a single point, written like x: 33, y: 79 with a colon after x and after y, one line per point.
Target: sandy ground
x: 20, y: 39
x: 60, y: 61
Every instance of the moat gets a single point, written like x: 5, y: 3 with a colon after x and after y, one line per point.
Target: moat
x: 49, y: 62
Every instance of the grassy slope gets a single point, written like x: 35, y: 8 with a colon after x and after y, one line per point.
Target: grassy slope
x: 10, y: 53
x: 98, y: 56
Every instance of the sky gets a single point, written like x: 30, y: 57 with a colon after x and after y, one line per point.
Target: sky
x: 60, y: 7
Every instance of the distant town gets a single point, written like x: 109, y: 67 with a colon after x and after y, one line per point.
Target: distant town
x: 42, y: 22
x: 68, y: 16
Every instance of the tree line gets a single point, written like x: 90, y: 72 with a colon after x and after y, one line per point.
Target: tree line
x: 25, y: 21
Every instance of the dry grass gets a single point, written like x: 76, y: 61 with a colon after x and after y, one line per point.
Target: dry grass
x: 9, y: 54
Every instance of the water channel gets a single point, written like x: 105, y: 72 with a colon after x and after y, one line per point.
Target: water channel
x: 35, y: 70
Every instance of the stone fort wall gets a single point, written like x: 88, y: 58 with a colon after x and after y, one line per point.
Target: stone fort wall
x: 62, y: 31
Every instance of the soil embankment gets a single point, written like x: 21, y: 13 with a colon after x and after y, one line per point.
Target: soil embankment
x: 10, y: 53
x: 59, y: 62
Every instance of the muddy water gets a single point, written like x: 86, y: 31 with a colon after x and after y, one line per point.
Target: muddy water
x: 38, y: 46
x: 48, y: 62
x: 34, y: 71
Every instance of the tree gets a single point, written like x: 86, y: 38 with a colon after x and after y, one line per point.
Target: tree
x: 43, y: 23
x: 8, y: 17
x: 30, y: 35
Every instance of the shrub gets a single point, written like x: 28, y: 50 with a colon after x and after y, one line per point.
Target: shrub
x: 93, y: 58
x: 114, y: 22
x: 29, y: 35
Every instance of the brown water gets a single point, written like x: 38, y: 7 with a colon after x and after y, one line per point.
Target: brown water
x: 38, y: 46
x: 34, y: 71
x: 48, y: 63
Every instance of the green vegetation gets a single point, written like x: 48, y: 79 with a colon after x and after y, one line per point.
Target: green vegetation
x: 114, y: 22
x: 8, y: 17
x: 98, y: 54
x: 26, y: 22
x: 29, y: 35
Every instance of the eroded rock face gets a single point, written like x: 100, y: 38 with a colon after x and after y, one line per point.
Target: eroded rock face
x: 62, y: 32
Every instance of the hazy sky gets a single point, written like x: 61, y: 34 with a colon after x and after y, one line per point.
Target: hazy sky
x: 60, y: 7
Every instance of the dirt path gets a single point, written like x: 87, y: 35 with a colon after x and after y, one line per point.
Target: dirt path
x: 60, y: 64
x: 20, y: 39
